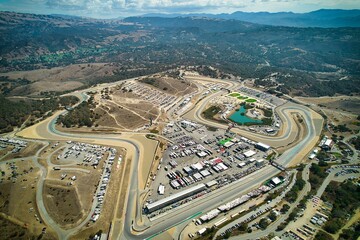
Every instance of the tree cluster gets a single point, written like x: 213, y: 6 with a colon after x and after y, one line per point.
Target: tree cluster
x: 15, y: 113
x: 82, y: 115
x: 345, y: 199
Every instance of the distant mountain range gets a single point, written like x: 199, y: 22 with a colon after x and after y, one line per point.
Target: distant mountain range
x: 326, y: 18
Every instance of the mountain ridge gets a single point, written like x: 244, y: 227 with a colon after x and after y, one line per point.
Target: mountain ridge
x: 326, y: 18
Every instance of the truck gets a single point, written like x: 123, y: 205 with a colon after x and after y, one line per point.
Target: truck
x: 201, y: 231
x: 218, y: 223
x: 161, y: 189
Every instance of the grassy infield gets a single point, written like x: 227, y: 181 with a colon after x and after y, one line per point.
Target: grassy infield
x: 238, y: 96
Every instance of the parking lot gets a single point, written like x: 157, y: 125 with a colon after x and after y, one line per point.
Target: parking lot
x: 149, y: 94
x: 88, y: 155
x: 80, y: 153
x: 198, y: 155
x: 266, y: 97
x: 16, y: 144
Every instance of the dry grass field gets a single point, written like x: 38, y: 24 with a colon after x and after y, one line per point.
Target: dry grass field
x: 348, y: 104
x: 62, y: 203
x: 60, y: 78
x: 19, y: 216
x: 170, y: 85
x: 11, y: 230
x: 4, y: 151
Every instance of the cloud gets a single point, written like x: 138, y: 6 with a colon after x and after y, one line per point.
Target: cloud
x: 115, y: 8
x: 141, y: 4
x: 67, y: 4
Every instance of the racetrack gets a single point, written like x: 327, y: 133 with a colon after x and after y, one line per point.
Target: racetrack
x: 135, y: 149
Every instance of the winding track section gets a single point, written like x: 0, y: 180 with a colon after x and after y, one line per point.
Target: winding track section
x: 184, y: 213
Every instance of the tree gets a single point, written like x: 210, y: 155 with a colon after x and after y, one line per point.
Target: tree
x: 321, y: 235
x: 271, y: 235
x: 272, y: 216
x: 285, y: 208
x: 281, y: 227
x: 333, y: 225
x: 263, y: 223
x: 243, y: 227
x: 292, y: 215
x: 323, y: 164
x: 315, y: 169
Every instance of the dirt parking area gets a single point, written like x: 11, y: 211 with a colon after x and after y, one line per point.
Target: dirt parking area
x: 30, y: 150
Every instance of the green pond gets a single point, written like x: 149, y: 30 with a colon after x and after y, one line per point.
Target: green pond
x: 242, y: 119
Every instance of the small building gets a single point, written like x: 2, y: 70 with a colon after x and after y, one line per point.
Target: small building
x: 222, y: 166
x: 312, y: 156
x: 211, y: 183
x: 260, y: 162
x: 249, y: 153
x: 242, y: 164
x: 198, y: 176
x: 328, y: 144
x: 262, y: 146
x: 185, y: 123
x: 201, y: 154
x: 275, y: 181
x: 197, y: 166
x: 216, y: 161
x: 205, y: 173
x: 188, y: 170
x: 228, y: 144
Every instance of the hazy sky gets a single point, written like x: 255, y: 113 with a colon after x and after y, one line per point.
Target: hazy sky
x: 124, y: 8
